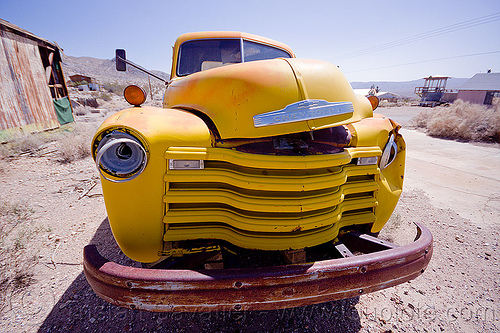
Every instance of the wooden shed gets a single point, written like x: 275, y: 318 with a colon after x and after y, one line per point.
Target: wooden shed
x: 33, y: 94
x: 481, y: 88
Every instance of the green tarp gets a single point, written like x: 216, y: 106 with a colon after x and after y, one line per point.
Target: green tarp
x: 63, y: 110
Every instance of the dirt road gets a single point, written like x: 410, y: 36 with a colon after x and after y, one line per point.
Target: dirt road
x: 452, y: 187
x: 459, y: 176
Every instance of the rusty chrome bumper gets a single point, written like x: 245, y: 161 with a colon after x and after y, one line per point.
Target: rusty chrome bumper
x: 266, y: 288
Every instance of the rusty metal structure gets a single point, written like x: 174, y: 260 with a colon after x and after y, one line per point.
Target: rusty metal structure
x: 31, y: 80
x: 432, y: 91
x: 380, y: 265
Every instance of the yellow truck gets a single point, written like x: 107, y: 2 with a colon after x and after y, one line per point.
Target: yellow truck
x: 261, y: 184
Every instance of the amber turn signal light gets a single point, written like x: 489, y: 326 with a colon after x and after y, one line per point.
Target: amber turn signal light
x: 374, y: 101
x: 134, y: 95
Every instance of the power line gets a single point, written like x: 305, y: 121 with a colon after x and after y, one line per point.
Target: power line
x: 423, y: 61
x: 429, y: 34
x: 425, y: 35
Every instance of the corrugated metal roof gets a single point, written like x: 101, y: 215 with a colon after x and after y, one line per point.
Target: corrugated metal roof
x: 483, y: 81
x: 7, y: 26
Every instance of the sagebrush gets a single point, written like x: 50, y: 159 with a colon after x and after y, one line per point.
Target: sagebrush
x: 74, y: 146
x: 462, y: 121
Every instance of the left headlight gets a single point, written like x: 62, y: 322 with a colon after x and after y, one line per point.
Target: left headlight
x: 120, y: 155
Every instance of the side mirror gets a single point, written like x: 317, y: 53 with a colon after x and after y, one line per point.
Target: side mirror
x: 121, y: 65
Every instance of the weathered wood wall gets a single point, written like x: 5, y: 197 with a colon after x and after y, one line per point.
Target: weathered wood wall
x: 25, y: 99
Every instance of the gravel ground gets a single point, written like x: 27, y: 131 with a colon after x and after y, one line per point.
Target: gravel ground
x: 458, y: 291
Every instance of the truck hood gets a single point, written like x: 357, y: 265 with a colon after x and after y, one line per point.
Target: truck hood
x: 269, y: 97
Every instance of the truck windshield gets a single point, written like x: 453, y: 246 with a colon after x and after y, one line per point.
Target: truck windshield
x: 200, y: 55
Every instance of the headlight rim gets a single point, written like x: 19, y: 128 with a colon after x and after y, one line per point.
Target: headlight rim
x: 107, y: 139
x: 386, y: 159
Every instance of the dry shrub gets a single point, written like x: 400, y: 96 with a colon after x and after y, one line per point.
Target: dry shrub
x: 496, y: 103
x: 33, y: 144
x: 75, y: 145
x: 399, y: 103
x: 106, y: 97
x: 72, y: 149
x: 4, y: 151
x: 3, y: 164
x: 82, y: 110
x: 421, y: 119
x: 27, y: 144
x: 69, y: 143
x: 462, y: 121
x: 16, y: 239
x: 115, y: 88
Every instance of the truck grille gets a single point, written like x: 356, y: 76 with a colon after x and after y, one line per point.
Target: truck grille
x: 268, y: 202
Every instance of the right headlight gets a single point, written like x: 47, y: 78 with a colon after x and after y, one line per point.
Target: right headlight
x: 120, y: 155
x: 390, y: 152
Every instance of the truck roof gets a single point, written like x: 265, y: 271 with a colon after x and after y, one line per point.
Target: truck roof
x: 230, y: 34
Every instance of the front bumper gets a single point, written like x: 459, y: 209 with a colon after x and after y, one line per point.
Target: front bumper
x: 266, y: 288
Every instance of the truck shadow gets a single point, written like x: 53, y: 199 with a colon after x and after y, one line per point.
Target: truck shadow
x: 79, y: 309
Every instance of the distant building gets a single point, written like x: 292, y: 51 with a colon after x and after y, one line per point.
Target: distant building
x: 85, y: 83
x: 382, y: 95
x: 388, y: 96
x: 449, y: 97
x: 80, y: 78
x: 480, y: 89
x: 33, y: 94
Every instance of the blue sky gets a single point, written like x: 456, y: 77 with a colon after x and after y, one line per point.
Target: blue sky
x: 368, y: 40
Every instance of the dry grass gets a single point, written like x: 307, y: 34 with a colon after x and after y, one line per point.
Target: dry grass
x: 28, y: 144
x: 399, y: 103
x: 75, y: 145
x: 18, y: 259
x: 82, y: 110
x: 3, y: 164
x: 4, y: 154
x: 69, y: 143
x: 462, y: 121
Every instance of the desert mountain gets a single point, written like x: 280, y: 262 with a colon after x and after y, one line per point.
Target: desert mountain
x: 406, y: 88
x: 104, y: 71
